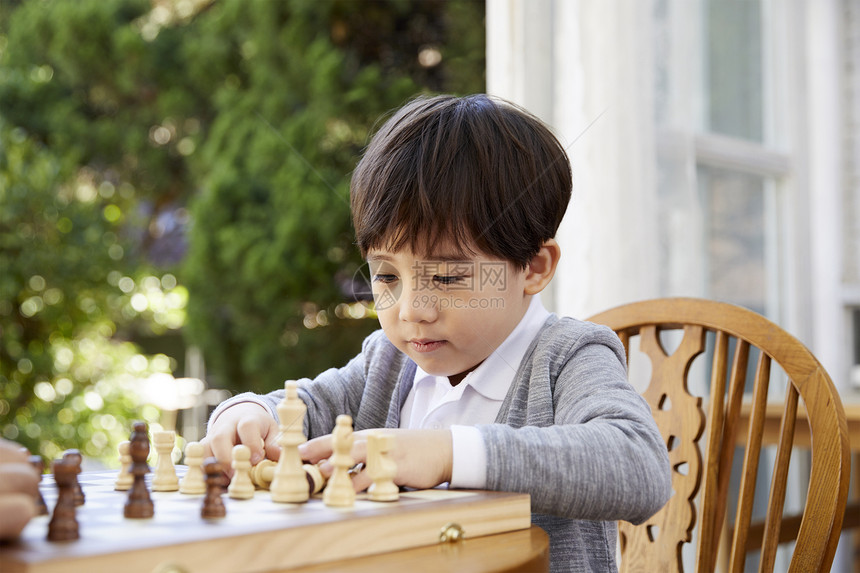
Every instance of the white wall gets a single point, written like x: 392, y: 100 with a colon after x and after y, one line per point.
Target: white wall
x: 579, y: 66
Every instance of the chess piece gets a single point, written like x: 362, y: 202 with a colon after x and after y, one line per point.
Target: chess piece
x: 139, y: 504
x: 64, y: 524
x: 164, y: 478
x: 316, y: 481
x: 263, y: 473
x: 194, y: 481
x: 339, y: 491
x: 241, y: 486
x: 39, y: 466
x: 124, y: 479
x: 290, y: 482
x: 381, y: 468
x: 75, y: 458
x: 213, y: 505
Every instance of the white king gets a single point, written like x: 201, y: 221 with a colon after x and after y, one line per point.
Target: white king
x: 289, y: 483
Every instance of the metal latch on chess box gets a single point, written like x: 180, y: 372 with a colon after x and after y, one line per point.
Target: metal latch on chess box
x: 451, y: 533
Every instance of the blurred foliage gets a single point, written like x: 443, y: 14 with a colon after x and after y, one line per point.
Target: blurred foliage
x: 183, y: 165
x: 66, y: 379
x: 272, y: 252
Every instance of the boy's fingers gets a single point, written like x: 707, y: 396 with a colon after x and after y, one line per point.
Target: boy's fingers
x: 16, y: 509
x: 272, y: 449
x: 326, y: 468
x: 207, y: 447
x: 10, y: 452
x: 317, y: 449
x: 220, y: 446
x: 19, y: 478
x: 359, y: 450
x: 361, y: 481
x: 250, y: 434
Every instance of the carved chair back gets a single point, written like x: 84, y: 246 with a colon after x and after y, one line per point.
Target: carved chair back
x: 702, y: 444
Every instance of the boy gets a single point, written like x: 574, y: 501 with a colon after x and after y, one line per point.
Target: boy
x: 455, y: 205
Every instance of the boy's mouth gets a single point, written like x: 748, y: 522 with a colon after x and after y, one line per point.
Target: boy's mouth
x: 425, y: 345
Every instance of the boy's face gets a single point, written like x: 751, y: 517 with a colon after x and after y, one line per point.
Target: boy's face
x: 446, y: 313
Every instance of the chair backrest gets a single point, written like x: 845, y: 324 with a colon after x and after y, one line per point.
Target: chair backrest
x: 701, y: 482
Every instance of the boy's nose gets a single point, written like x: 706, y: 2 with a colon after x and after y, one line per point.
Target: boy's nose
x: 418, y: 305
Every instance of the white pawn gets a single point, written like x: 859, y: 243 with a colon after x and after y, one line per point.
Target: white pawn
x: 125, y: 478
x: 289, y: 483
x: 241, y: 486
x: 164, y: 478
x: 381, y: 468
x: 339, y: 491
x: 263, y: 473
x: 194, y: 481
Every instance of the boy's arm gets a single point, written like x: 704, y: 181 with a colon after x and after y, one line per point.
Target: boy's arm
x: 603, y: 459
x: 365, y: 389
x: 251, y: 419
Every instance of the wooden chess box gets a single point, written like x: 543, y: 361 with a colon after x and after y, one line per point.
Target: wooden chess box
x: 256, y: 534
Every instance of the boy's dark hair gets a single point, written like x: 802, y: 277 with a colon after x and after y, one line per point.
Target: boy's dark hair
x: 469, y: 171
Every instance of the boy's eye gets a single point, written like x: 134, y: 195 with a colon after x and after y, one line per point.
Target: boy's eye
x: 384, y: 279
x: 449, y: 279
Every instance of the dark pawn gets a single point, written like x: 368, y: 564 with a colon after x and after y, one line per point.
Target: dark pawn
x: 139, y: 504
x: 39, y: 466
x: 213, y: 505
x: 75, y: 458
x: 64, y: 524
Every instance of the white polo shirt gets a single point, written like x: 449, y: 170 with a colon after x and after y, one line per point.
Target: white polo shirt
x: 434, y: 404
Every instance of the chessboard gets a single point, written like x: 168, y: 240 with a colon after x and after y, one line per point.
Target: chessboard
x: 256, y: 535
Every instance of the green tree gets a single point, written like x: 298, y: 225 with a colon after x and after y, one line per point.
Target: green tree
x: 121, y: 121
x: 72, y: 172
x: 271, y: 248
x: 66, y: 378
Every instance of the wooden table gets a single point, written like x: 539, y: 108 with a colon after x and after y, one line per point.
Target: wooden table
x: 773, y: 412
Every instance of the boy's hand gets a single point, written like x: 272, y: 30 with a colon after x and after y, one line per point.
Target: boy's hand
x: 423, y: 457
x: 19, y: 484
x: 246, y: 423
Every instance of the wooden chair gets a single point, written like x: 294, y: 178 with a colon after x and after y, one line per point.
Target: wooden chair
x: 657, y: 544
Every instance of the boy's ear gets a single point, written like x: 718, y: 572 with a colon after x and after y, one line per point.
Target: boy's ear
x: 542, y: 267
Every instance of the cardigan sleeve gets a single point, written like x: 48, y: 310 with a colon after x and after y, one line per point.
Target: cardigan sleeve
x: 365, y: 389
x: 583, y: 442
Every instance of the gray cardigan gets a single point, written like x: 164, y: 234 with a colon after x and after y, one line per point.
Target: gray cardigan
x: 572, y: 433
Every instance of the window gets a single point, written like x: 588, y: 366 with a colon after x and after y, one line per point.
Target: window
x: 736, y: 232
x: 732, y: 78
x: 722, y: 171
